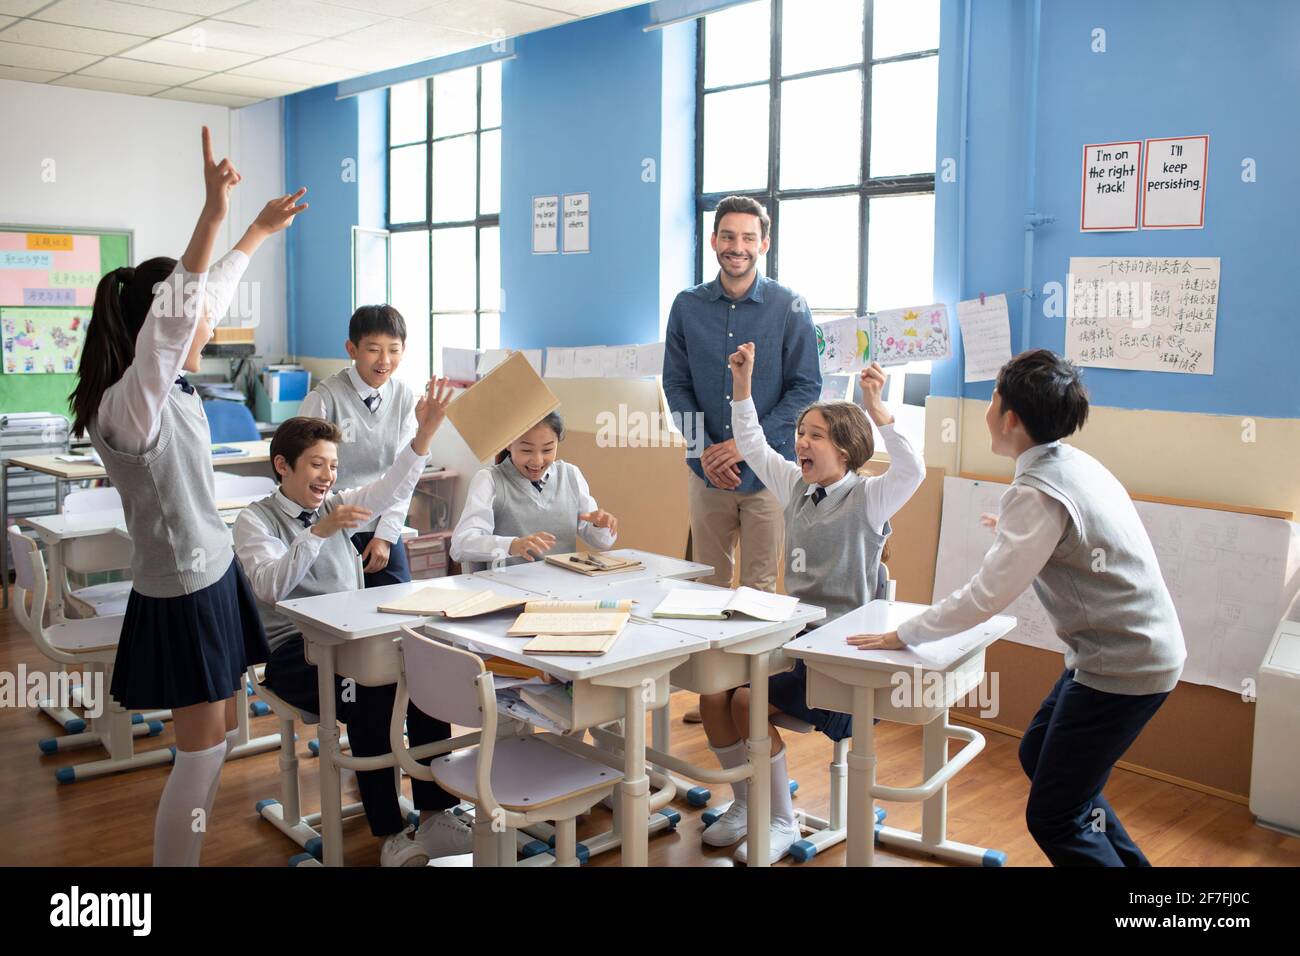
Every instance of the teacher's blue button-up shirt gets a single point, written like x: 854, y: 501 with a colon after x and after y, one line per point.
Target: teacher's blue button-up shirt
x: 704, y: 328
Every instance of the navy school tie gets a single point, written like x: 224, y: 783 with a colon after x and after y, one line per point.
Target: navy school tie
x: 817, y: 495
x: 185, y: 385
x: 305, y: 518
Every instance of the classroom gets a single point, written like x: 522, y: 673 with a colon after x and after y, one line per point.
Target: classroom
x: 689, y: 433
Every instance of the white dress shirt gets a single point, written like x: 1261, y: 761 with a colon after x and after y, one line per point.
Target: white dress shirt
x: 885, y: 494
x: 475, y: 539
x: 388, y: 525
x: 1030, y: 527
x: 274, y: 568
x: 130, y: 410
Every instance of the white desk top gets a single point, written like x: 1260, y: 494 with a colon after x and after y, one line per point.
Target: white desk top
x: 828, y: 643
x: 719, y: 634
x: 54, y: 528
x: 256, y: 451
x: 350, y: 615
x: 639, y: 643
x: 546, y: 579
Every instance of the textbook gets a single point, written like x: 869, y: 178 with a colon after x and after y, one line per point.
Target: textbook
x: 590, y: 644
x: 593, y: 563
x: 560, y: 621
x: 715, y: 605
x: 451, y: 602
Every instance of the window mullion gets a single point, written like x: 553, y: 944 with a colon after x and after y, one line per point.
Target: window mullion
x: 774, y: 135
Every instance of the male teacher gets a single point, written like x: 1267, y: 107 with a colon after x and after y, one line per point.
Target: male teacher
x: 727, y: 502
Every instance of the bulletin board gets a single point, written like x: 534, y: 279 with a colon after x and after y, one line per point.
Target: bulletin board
x: 48, y: 276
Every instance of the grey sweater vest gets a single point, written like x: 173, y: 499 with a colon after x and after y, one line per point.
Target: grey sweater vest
x: 832, y: 553
x: 180, y: 543
x: 371, y: 440
x: 1102, y: 586
x: 337, y: 566
x: 518, y: 509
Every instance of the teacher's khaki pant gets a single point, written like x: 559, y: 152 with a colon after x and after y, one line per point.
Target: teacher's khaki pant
x: 721, y: 519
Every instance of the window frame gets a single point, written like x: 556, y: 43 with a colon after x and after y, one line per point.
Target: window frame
x: 480, y: 220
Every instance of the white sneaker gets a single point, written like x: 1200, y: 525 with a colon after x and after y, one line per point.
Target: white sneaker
x: 401, y: 849
x: 445, y: 834
x: 782, y: 836
x: 729, y: 827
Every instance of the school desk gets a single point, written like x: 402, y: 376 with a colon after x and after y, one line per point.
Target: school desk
x: 344, y: 634
x: 906, y: 687
x: 67, y: 472
x: 740, y: 650
x: 543, y: 578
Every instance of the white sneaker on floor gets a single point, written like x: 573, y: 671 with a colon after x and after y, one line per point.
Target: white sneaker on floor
x: 445, y: 834
x: 782, y: 836
x: 729, y: 827
x: 401, y: 849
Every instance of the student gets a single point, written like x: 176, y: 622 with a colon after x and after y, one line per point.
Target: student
x: 1067, y: 526
x: 294, y: 543
x: 529, y: 504
x: 191, y: 625
x: 836, y: 523
x: 373, y: 412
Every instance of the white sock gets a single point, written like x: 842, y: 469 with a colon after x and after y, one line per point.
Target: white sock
x: 229, y: 743
x: 191, y: 786
x: 782, y: 801
x: 730, y: 757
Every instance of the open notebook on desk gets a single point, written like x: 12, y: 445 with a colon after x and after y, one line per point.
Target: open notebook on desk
x: 711, y: 605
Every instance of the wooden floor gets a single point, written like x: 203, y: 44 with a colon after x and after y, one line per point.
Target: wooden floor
x: 109, y: 821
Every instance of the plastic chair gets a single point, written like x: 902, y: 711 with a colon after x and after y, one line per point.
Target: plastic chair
x: 230, y: 421
x: 91, y: 646
x: 89, y: 555
x: 226, y: 485
x: 514, y: 781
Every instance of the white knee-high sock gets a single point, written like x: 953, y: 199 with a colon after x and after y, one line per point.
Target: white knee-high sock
x: 782, y: 801
x: 191, y: 786
x: 230, y: 743
x: 734, y: 756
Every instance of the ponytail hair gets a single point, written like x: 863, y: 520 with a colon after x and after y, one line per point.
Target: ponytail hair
x: 122, y: 301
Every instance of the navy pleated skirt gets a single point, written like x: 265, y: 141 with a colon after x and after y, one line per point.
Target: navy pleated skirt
x: 191, y: 649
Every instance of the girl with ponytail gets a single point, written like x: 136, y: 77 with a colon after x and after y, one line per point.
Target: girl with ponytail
x: 191, y: 625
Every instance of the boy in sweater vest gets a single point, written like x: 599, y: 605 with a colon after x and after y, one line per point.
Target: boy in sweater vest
x: 295, y: 543
x: 1067, y: 526
x: 373, y: 412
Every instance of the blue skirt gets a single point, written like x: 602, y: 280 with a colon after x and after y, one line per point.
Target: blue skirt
x: 191, y: 649
x: 788, y: 693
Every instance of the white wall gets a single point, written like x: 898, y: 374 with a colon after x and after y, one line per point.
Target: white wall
x: 83, y: 158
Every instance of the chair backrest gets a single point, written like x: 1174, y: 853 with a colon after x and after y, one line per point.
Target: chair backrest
x: 227, y: 485
x: 23, y: 547
x: 885, y: 585
x: 230, y: 421
x: 443, y: 680
x: 92, y: 499
x: 29, y: 578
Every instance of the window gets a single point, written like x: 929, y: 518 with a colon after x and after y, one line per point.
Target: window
x: 444, y: 205
x: 825, y: 111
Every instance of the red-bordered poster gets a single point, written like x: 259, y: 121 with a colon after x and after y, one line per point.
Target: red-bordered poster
x: 1111, y: 189
x: 1173, y: 182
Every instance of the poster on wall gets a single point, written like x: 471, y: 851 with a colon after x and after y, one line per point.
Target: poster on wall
x: 42, y: 341
x: 546, y: 225
x: 1173, y: 181
x: 1150, y: 314
x: 56, y: 268
x: 1110, y: 193
x: 890, y: 337
x: 577, y: 223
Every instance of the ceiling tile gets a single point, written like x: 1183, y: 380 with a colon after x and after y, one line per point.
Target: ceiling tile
x: 245, y: 86
x: 418, y: 40
x: 43, y: 58
x: 491, y: 18
x: 239, y: 37
x: 137, y: 71
x: 20, y: 8
x: 108, y: 85
x: 295, y: 71
x: 207, y: 96
x: 588, y: 8
x: 28, y: 76
x: 302, y: 16
x: 391, y: 8
x: 63, y: 37
x: 5, y: 21
x: 111, y: 15
x: 206, y: 58
x: 352, y: 55
x: 202, y: 8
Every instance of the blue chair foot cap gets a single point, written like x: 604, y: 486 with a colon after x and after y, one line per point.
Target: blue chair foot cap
x: 710, y: 817
x: 533, y: 848
x: 137, y: 718
x: 65, y: 774
x: 699, y: 796
x: 259, y: 708
x: 313, y: 847
x: 880, y: 814
x: 155, y: 728
x: 300, y: 858
x: 550, y: 841
x: 173, y: 750
x: 314, y: 747
x: 413, y: 818
x: 48, y: 746
x: 673, y: 816
x: 75, y: 726
x: 994, y: 858
x: 794, y: 787
x: 802, y: 851
x: 263, y: 804
x: 579, y: 850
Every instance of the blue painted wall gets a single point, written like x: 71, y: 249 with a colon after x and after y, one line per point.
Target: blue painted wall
x: 1172, y: 67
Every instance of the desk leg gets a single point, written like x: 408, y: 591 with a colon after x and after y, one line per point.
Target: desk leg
x: 57, y: 581
x: 331, y: 797
x: 862, y: 777
x: 934, y: 812
x: 635, y: 789
x: 759, y: 748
